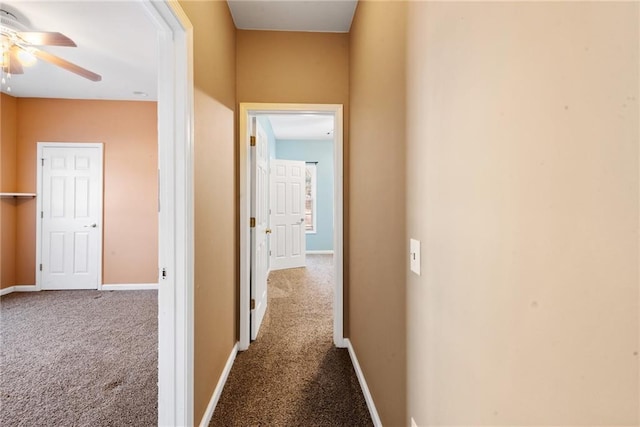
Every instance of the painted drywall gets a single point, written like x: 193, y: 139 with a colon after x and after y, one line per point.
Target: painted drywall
x: 522, y: 184
x: 293, y: 67
x: 378, y: 253
x: 8, y: 206
x: 297, y: 67
x: 322, y: 153
x: 215, y: 201
x: 129, y: 133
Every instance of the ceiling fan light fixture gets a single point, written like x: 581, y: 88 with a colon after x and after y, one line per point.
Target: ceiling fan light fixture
x: 17, y: 50
x: 26, y: 57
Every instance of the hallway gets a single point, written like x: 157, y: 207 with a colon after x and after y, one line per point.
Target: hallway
x: 292, y: 374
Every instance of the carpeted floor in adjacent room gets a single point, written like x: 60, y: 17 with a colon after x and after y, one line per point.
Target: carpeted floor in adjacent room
x: 79, y: 358
x: 292, y: 375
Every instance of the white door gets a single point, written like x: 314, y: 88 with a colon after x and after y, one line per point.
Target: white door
x: 260, y: 216
x: 288, y: 243
x: 71, y: 215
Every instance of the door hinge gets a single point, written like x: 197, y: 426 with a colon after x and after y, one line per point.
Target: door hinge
x: 164, y: 273
x: 41, y: 161
x: 40, y: 267
x: 252, y: 222
x: 252, y: 141
x: 253, y: 304
x: 41, y: 214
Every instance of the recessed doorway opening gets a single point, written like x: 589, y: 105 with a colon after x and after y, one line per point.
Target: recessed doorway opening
x: 255, y: 221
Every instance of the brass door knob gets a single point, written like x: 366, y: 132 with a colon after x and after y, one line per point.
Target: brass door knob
x: 268, y: 231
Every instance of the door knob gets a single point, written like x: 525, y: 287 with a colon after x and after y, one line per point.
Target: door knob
x: 268, y: 231
x: 94, y: 225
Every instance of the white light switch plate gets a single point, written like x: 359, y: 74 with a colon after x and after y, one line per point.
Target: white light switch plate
x: 413, y: 423
x: 414, y: 254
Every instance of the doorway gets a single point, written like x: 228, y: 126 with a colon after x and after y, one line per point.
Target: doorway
x: 248, y: 111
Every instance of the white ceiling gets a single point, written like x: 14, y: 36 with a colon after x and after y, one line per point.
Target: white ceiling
x: 117, y: 40
x: 302, y: 126
x: 333, y: 16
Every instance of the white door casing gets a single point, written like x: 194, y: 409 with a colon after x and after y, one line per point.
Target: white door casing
x: 176, y: 217
x: 70, y: 215
x: 288, y: 244
x: 260, y: 212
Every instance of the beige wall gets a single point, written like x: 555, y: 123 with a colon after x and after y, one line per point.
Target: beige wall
x: 215, y: 199
x: 522, y: 185
x: 277, y: 66
x: 378, y: 250
x: 8, y: 123
x: 129, y: 133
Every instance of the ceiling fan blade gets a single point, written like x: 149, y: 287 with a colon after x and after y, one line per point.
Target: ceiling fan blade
x: 69, y: 66
x: 39, y: 38
x: 15, y: 67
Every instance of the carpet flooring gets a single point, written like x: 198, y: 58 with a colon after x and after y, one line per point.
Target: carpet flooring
x: 292, y: 375
x: 78, y: 358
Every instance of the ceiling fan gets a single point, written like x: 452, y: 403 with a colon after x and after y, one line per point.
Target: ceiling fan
x: 19, y: 48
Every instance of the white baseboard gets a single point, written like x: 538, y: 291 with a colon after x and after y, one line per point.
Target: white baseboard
x: 18, y: 288
x: 118, y: 287
x: 130, y: 287
x: 208, y: 414
x: 363, y: 385
x: 319, y: 252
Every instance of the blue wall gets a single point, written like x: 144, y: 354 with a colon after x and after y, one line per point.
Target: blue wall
x: 321, y: 152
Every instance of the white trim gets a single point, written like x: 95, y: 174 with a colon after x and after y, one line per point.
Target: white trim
x: 176, y: 235
x: 247, y: 109
x: 330, y: 252
x: 363, y: 385
x: 40, y: 147
x: 211, y: 407
x: 18, y: 288
x: 130, y: 287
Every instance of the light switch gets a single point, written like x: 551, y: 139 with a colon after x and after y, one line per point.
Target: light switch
x: 414, y: 254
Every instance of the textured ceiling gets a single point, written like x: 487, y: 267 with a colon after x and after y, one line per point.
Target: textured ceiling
x: 117, y: 40
x: 316, y: 15
x: 302, y: 126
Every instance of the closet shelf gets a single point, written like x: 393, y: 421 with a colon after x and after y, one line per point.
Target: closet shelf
x: 17, y: 194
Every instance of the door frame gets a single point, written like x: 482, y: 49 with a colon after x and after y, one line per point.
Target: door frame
x: 246, y: 111
x: 39, y: 166
x: 175, y: 212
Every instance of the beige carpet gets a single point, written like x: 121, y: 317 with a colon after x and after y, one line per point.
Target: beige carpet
x: 292, y: 375
x: 78, y: 358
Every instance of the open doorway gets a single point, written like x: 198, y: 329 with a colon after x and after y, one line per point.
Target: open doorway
x: 175, y: 105
x: 251, y: 201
